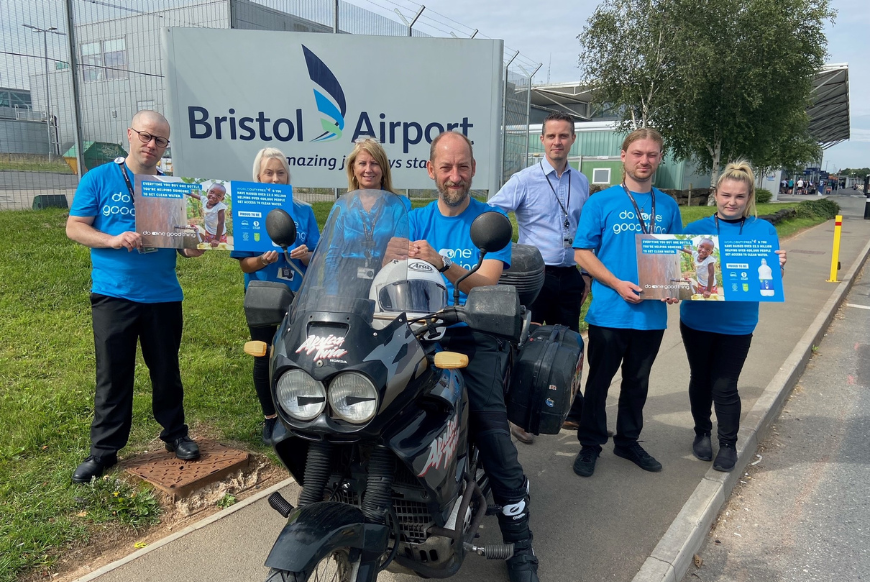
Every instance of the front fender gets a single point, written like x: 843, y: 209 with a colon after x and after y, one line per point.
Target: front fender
x: 314, y: 531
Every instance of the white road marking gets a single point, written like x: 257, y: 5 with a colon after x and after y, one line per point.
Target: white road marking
x: 858, y: 306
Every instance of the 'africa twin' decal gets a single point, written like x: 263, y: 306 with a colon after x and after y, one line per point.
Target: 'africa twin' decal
x: 323, y: 348
x: 443, y: 449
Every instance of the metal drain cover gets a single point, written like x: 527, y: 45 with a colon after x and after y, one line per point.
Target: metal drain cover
x: 181, y: 478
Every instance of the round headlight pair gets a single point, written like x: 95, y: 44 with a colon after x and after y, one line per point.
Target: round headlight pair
x: 352, y: 397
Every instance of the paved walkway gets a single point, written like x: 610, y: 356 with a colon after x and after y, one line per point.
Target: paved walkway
x: 622, y: 519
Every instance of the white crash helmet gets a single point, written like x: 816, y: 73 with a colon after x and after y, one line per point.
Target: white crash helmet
x: 412, y: 286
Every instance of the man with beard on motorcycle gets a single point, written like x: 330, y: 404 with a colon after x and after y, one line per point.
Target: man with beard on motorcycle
x: 445, y: 225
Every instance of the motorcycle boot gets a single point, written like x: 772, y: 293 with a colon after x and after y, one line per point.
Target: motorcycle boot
x: 513, y: 520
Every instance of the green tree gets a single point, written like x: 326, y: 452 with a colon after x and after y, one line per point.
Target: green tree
x: 726, y: 78
x: 625, y: 46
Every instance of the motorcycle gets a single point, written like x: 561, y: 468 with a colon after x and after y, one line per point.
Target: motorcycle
x: 376, y: 414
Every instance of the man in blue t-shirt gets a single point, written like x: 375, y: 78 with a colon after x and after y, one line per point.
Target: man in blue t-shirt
x: 624, y: 330
x: 440, y: 235
x: 135, y: 297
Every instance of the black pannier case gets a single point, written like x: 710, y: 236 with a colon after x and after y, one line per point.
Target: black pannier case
x: 544, y: 379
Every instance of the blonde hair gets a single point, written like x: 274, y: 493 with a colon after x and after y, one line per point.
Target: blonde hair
x: 643, y: 133
x: 374, y: 149
x: 269, y: 154
x: 740, y: 171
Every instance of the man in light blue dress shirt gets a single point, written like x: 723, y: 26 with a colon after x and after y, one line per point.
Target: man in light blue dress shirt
x: 547, y: 199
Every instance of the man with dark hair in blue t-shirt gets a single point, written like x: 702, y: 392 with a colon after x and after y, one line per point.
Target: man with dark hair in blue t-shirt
x: 135, y: 297
x: 441, y: 236
x: 624, y: 330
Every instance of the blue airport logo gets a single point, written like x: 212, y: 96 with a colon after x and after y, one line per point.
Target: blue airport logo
x: 332, y: 111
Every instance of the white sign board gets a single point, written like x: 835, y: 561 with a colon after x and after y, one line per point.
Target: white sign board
x: 232, y: 92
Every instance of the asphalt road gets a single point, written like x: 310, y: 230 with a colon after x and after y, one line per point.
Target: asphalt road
x: 803, y: 511
x: 10, y: 180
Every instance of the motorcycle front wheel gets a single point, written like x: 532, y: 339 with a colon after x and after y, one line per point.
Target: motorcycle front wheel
x: 336, y: 567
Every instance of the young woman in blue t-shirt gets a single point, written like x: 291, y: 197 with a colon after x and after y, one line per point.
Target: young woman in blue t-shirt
x: 270, y: 166
x: 717, y: 335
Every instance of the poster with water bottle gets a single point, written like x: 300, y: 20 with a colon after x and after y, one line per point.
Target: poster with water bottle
x: 207, y: 214
x: 707, y: 267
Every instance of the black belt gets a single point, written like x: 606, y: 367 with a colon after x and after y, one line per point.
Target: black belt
x: 558, y: 269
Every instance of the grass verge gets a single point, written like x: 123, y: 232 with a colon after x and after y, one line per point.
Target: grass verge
x: 46, y: 398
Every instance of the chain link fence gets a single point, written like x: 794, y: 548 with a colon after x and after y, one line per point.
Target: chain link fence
x: 119, y: 67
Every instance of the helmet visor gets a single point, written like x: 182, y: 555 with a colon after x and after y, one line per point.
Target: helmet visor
x: 414, y: 295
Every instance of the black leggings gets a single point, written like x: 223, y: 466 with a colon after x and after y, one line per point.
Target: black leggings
x: 715, y: 362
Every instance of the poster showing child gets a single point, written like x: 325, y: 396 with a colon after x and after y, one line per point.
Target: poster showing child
x: 703, y: 275
x: 209, y: 214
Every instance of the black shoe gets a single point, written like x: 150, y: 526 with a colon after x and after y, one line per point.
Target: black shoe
x: 523, y: 566
x: 184, y: 448
x: 93, y: 467
x: 268, y: 428
x: 726, y: 458
x: 635, y: 453
x: 584, y: 464
x: 702, y: 448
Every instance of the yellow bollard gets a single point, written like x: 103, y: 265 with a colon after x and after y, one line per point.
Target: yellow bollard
x: 835, y: 257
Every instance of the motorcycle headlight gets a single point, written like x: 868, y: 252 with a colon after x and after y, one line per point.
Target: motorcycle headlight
x: 300, y: 395
x: 353, y: 397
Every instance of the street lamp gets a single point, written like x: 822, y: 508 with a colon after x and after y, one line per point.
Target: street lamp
x: 44, y: 32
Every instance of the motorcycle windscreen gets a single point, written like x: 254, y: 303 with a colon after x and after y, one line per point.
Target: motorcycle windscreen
x: 366, y: 231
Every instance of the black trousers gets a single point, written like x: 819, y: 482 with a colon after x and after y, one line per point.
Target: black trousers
x: 559, y: 299
x: 261, y: 369
x: 635, y: 350
x: 484, y: 381
x: 118, y: 325
x: 715, y: 363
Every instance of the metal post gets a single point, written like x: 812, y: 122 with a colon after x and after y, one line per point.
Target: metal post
x: 74, y: 67
x: 835, y: 256
x: 335, y: 20
x: 47, y: 92
x: 504, y: 118
x: 413, y: 22
x: 529, y: 114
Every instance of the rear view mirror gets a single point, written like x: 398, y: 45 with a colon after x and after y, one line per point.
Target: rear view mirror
x: 494, y: 309
x: 491, y: 231
x: 266, y: 303
x: 281, y: 228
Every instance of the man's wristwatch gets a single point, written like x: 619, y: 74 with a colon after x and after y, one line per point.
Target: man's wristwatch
x: 447, y: 263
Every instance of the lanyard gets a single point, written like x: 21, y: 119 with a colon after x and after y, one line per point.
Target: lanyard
x: 652, y: 217
x: 123, y: 169
x: 369, y: 229
x: 716, y: 220
x: 562, y: 206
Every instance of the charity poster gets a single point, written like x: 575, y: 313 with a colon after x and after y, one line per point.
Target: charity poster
x: 206, y: 214
x: 705, y: 267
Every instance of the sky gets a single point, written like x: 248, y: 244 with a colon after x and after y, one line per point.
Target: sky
x: 544, y: 34
x: 547, y: 33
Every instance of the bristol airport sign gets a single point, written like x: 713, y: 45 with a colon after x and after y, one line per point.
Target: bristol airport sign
x: 311, y: 95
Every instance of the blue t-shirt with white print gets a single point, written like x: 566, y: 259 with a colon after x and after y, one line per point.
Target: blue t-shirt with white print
x: 608, y: 226
x: 729, y: 317
x: 450, y: 236
x: 307, y: 234
x: 142, y: 277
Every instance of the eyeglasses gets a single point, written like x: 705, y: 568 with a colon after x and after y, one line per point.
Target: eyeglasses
x: 146, y: 137
x: 365, y: 139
